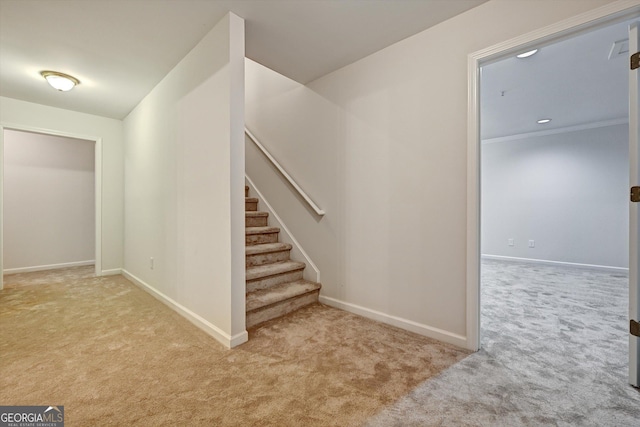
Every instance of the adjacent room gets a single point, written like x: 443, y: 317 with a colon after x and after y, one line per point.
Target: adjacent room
x: 49, y: 202
x: 555, y: 216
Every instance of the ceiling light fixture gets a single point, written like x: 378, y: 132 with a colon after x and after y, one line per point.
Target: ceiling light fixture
x: 60, y: 81
x: 543, y: 121
x: 527, y: 54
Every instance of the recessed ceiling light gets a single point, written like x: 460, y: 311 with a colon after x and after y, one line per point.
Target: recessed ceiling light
x: 527, y: 54
x: 60, y: 81
x: 543, y: 121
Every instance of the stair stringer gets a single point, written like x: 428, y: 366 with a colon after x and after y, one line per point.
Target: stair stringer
x: 311, y: 273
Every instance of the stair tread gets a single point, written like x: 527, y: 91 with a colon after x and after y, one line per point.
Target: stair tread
x: 281, y: 292
x: 261, y: 230
x: 266, y: 248
x: 256, y: 213
x: 266, y: 270
x: 250, y: 199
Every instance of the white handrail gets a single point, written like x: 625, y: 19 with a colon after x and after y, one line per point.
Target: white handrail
x: 284, y: 173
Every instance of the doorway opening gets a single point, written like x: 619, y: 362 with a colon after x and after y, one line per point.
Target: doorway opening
x: 50, y: 200
x: 525, y: 247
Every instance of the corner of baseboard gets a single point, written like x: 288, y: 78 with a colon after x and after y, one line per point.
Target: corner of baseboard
x: 238, y: 339
x: 111, y: 272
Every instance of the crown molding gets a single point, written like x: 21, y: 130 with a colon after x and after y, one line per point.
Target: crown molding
x: 556, y: 131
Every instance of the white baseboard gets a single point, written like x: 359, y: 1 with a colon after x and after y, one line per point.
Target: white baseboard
x: 409, y: 325
x: 557, y: 263
x: 112, y: 272
x: 224, y: 338
x: 47, y: 267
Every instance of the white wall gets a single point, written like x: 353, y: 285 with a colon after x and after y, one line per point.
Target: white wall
x: 184, y: 186
x: 568, y: 192
x: 381, y: 145
x: 49, y: 201
x: 36, y: 117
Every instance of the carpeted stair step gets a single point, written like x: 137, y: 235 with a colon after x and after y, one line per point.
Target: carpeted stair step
x: 259, y: 235
x: 256, y: 219
x: 267, y: 253
x: 269, y: 275
x: 250, y: 204
x: 274, y: 283
x: 267, y: 304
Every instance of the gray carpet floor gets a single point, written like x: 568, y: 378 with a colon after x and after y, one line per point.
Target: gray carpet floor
x: 554, y: 353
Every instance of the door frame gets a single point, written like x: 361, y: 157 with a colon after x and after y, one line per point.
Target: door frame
x: 603, y: 16
x: 634, y: 300
x: 97, y: 187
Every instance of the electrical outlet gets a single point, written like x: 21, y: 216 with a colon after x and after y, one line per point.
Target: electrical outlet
x: 532, y: 243
x: 510, y: 241
x: 151, y: 263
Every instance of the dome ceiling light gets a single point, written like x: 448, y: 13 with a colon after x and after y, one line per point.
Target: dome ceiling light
x: 60, y: 81
x: 527, y: 54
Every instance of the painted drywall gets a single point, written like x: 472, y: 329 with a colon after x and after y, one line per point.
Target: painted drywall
x: 26, y: 115
x: 567, y: 192
x: 184, y: 185
x: 381, y: 145
x: 49, y: 201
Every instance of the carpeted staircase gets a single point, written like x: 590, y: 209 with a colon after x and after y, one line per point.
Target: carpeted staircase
x: 275, y: 286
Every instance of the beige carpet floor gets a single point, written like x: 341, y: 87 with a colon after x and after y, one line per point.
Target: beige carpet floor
x: 113, y: 355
